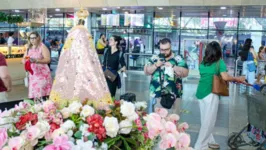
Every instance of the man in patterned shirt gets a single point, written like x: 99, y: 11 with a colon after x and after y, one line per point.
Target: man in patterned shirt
x: 171, y: 69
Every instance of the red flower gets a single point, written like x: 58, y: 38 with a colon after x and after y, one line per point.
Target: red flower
x: 54, y: 126
x: 96, y: 126
x: 24, y: 119
x: 117, y: 103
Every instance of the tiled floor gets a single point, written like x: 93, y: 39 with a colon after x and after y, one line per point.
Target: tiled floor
x: 232, y: 113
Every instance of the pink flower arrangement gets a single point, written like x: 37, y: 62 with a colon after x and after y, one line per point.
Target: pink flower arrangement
x: 166, y: 127
x: 3, y: 137
x: 60, y: 143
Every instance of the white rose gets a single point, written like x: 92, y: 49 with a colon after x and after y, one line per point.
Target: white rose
x: 127, y: 109
x: 87, y: 111
x: 111, y: 125
x: 58, y: 132
x: 75, y: 107
x: 65, y: 112
x: 41, y: 115
x: 81, y: 145
x: 133, y: 117
x: 84, y: 129
x: 68, y: 125
x: 140, y: 105
x: 44, y: 128
x: 125, y: 126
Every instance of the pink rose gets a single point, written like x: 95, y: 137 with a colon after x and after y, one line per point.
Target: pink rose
x: 161, y: 111
x: 183, y: 142
x: 3, y: 137
x: 16, y: 143
x: 32, y: 133
x: 183, y: 127
x: 173, y: 118
x: 49, y: 106
x: 60, y: 142
x: 168, y: 141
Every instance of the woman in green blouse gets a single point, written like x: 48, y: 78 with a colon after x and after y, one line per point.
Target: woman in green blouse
x: 209, y: 102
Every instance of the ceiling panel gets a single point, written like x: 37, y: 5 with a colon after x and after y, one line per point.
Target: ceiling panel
x: 122, y: 3
x: 153, y: 2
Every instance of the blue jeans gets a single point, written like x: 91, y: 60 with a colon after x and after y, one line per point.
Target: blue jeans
x: 151, y: 104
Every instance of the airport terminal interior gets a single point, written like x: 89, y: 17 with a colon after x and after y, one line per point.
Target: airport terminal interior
x: 190, y: 25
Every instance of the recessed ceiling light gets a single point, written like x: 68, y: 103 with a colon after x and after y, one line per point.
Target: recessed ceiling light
x: 224, y: 15
x: 126, y: 12
x: 118, y: 7
x: 51, y: 16
x: 222, y: 7
x: 58, y: 14
x: 57, y: 9
x: 104, y: 8
x: 160, y: 8
x: 17, y: 10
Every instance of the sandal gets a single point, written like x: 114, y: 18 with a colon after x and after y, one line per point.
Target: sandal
x: 214, y: 146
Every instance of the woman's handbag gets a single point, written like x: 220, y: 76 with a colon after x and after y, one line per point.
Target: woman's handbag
x: 107, y: 72
x: 219, y: 86
x: 110, y: 75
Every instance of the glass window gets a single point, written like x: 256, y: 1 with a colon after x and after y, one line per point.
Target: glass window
x: 55, y: 20
x: 193, y: 43
x: 172, y: 34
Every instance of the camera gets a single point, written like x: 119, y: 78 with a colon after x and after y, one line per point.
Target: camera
x: 162, y: 57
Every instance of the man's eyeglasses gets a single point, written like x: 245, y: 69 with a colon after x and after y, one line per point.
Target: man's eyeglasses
x: 33, y: 38
x: 165, y: 49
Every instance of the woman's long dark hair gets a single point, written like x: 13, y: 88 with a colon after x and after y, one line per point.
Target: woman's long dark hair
x: 101, y: 37
x: 213, y: 53
x: 244, y: 53
x: 117, y: 39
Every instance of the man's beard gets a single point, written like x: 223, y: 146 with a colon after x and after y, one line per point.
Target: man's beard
x: 168, y: 55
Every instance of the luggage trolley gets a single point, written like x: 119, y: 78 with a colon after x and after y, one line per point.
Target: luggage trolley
x: 256, y: 127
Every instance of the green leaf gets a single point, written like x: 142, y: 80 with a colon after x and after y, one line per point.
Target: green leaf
x: 111, y: 141
x: 31, y: 102
x: 131, y: 141
x: 78, y: 135
x: 171, y: 148
x: 90, y: 137
x: 125, y: 143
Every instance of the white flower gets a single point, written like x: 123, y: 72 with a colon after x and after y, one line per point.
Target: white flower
x: 127, y: 109
x: 125, y: 126
x: 81, y: 145
x: 44, y: 127
x: 111, y: 125
x: 70, y: 133
x: 84, y: 129
x: 37, y: 108
x: 75, y: 107
x: 87, y: 111
x: 140, y: 105
x: 68, y: 125
x: 41, y: 115
x: 133, y: 117
x: 104, y: 146
x: 65, y: 112
x: 58, y: 132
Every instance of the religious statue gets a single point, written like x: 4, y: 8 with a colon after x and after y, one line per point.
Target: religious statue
x: 79, y: 75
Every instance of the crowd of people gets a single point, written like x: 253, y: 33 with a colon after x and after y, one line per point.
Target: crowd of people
x: 166, y: 70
